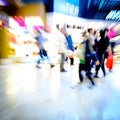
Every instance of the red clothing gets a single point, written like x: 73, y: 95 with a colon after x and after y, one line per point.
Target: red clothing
x: 109, y: 63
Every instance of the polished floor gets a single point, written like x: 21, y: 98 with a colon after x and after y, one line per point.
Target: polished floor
x: 28, y: 93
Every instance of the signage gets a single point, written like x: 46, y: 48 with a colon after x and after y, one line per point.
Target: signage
x: 113, y: 15
x: 72, y: 9
x: 68, y: 7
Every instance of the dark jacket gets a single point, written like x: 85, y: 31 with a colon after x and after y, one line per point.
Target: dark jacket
x: 102, y: 45
x: 89, y: 51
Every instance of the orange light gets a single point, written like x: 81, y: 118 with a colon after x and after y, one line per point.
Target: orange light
x: 1, y: 22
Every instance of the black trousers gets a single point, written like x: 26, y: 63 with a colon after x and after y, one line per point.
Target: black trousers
x: 42, y: 53
x: 101, y: 58
x: 86, y: 67
x: 71, y: 61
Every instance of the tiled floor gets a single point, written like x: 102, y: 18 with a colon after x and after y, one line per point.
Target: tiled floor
x: 28, y: 93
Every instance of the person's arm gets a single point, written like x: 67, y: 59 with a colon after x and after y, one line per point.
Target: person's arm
x: 92, y: 42
x: 70, y: 42
x: 108, y: 49
x: 94, y: 56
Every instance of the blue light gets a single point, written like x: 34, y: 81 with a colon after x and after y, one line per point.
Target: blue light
x: 69, y: 7
x: 113, y: 15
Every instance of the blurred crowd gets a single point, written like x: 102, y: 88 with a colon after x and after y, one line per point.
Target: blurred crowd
x: 94, y: 51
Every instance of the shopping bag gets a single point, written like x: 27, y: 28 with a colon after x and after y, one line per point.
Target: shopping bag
x: 109, y: 62
x: 80, y: 52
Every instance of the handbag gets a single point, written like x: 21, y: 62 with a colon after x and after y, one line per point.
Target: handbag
x: 109, y: 62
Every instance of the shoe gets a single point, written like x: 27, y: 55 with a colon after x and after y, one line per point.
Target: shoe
x: 63, y: 70
x: 91, y: 86
x: 104, y: 74
x: 72, y: 64
x: 96, y: 76
x: 52, y: 66
x: 38, y: 66
x: 80, y: 82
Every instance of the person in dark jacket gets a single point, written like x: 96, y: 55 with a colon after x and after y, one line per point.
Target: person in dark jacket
x: 103, y: 48
x: 85, y: 59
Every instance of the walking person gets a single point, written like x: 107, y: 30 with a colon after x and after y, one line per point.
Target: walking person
x: 62, y: 47
x: 85, y: 56
x: 42, y: 52
x: 103, y: 50
x: 65, y: 47
x: 95, y: 47
x: 70, y: 45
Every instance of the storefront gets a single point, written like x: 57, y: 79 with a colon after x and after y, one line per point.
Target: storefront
x: 4, y: 44
x: 66, y: 12
x: 17, y: 31
x: 22, y: 35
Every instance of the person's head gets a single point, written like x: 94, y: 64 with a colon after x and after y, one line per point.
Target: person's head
x: 39, y: 32
x: 106, y: 30
x: 90, y: 31
x: 57, y: 26
x: 63, y: 30
x: 47, y: 29
x: 97, y: 33
x: 102, y: 33
x: 84, y: 34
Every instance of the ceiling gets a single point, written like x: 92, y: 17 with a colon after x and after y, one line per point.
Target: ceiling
x: 97, y: 9
x: 90, y: 9
x: 13, y: 3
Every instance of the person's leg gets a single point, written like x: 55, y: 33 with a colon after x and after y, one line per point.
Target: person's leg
x: 45, y: 53
x: 81, y: 67
x: 88, y: 69
x: 41, y: 54
x: 48, y: 58
x: 103, y: 64
x: 72, y: 61
x: 97, y: 70
x: 38, y: 61
x: 90, y: 78
x: 98, y: 66
x: 88, y: 64
x: 66, y: 59
x: 62, y: 63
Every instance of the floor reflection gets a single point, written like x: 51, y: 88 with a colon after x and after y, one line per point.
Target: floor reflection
x: 28, y: 93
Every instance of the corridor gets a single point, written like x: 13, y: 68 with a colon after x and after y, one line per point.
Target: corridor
x: 28, y: 93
